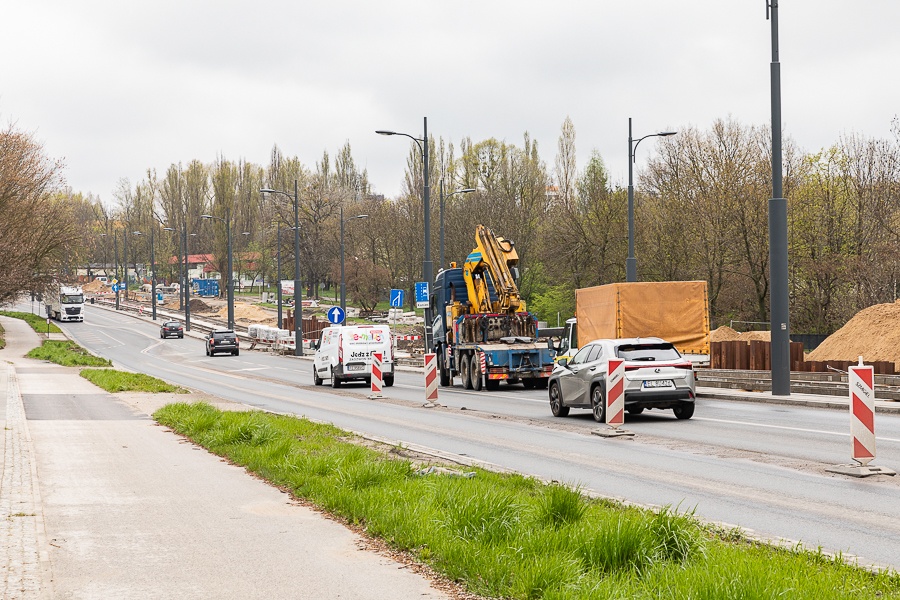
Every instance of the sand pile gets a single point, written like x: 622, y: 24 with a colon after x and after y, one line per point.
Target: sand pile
x: 872, y: 333
x: 199, y: 306
x: 249, y: 313
x: 94, y: 286
x: 727, y: 334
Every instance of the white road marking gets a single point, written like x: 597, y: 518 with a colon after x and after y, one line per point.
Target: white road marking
x: 800, y: 429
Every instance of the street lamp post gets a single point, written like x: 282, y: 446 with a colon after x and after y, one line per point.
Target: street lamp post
x: 184, y: 292
x: 343, y: 290
x: 230, y: 283
x: 152, y: 272
x: 631, y: 261
x: 298, y: 296
x: 116, y: 259
x: 462, y: 191
x: 125, y: 259
x: 427, y: 272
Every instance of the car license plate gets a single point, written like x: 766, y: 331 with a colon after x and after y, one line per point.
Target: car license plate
x: 356, y: 367
x: 659, y: 383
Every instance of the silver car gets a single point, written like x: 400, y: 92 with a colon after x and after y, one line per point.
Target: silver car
x: 656, y: 376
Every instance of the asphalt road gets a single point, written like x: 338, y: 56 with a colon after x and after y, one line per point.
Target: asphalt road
x: 760, y: 467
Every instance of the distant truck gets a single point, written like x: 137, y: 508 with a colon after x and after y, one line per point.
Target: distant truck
x: 482, y: 331
x: 64, y: 302
x: 676, y: 311
x: 205, y: 288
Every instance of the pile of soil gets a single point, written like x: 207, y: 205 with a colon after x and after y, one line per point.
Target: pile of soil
x: 727, y: 334
x: 872, y: 333
x: 199, y: 306
x: 94, y: 286
x: 249, y: 313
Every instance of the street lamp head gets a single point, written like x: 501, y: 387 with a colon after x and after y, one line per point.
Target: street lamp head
x: 384, y: 132
x: 136, y: 233
x: 666, y: 133
x: 467, y: 190
x: 168, y: 229
x: 267, y: 191
x: 206, y: 216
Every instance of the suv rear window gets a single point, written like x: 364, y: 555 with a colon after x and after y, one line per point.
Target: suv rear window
x: 648, y: 352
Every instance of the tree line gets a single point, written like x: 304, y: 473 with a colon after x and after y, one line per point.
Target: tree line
x: 701, y: 206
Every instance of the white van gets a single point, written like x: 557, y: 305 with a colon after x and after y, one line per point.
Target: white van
x: 344, y: 353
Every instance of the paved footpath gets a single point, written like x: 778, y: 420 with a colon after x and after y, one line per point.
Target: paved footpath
x: 98, y: 501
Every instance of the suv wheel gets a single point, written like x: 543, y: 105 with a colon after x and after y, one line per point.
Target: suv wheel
x: 556, y: 405
x: 685, y: 410
x: 598, y: 404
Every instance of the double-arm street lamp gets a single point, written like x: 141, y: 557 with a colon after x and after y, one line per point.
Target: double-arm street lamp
x: 230, y: 283
x: 185, y: 292
x: 343, y: 289
x: 152, y: 271
x: 462, y: 191
x: 427, y: 272
x: 298, y: 296
x: 631, y: 261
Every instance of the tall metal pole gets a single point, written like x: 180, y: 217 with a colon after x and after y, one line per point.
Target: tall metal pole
x: 152, y: 272
x: 343, y: 292
x: 187, y: 283
x: 230, y: 272
x: 125, y: 252
x: 278, y: 285
x: 441, y: 236
x: 116, y: 256
x: 427, y: 265
x: 778, y: 234
x: 298, y: 293
x: 631, y: 261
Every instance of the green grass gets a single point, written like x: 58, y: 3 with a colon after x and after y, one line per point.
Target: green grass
x: 67, y: 354
x: 37, y: 322
x: 113, y: 381
x: 509, y: 536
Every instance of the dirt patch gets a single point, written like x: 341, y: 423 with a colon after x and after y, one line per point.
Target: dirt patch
x: 94, y: 286
x: 199, y: 306
x: 872, y: 333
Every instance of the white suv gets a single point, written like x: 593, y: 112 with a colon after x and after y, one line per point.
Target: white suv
x: 656, y: 376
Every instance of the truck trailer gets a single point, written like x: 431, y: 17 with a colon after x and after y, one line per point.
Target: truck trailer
x: 676, y: 311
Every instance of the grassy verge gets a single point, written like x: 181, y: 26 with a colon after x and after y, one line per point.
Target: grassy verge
x: 37, y: 322
x: 113, y: 381
x: 67, y: 354
x: 508, y: 536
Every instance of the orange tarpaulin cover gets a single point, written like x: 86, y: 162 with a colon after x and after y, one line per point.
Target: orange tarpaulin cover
x: 676, y: 311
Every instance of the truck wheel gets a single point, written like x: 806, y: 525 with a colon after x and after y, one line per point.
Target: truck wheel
x: 528, y: 383
x: 492, y: 384
x: 464, y: 371
x: 541, y: 383
x: 475, y: 372
x: 598, y: 404
x: 685, y: 410
x: 443, y: 371
x: 556, y: 405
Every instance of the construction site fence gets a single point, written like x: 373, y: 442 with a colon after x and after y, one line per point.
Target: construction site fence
x: 756, y: 355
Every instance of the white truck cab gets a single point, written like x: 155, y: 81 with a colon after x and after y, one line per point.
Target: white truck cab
x: 65, y: 302
x: 344, y: 353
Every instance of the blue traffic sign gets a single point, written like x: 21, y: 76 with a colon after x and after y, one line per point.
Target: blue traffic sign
x: 397, y: 298
x: 336, y: 315
x: 421, y: 294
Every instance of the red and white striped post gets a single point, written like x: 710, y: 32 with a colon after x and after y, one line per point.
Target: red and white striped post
x: 431, y: 380
x: 484, y: 372
x: 861, y: 380
x: 376, y: 375
x: 862, y: 412
x: 614, y: 400
x: 615, y: 393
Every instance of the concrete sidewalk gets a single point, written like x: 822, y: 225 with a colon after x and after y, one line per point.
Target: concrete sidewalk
x: 98, y: 501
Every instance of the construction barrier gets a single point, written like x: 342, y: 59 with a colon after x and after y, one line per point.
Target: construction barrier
x: 862, y: 413
x: 376, y: 375
x: 861, y: 382
x: 483, y: 369
x: 431, y: 379
x: 615, y: 393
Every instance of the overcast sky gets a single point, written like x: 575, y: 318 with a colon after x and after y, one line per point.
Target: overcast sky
x: 116, y: 87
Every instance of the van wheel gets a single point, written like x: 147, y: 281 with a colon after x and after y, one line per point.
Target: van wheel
x: 475, y: 372
x: 316, y: 379
x: 464, y: 371
x: 335, y: 382
x: 388, y: 380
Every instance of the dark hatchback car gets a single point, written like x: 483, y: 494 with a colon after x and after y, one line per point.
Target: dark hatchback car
x: 222, y: 341
x: 170, y: 328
